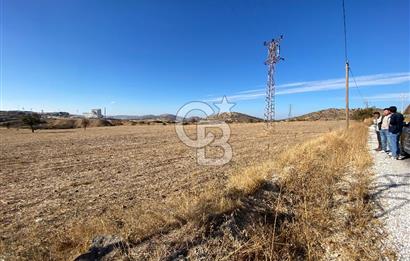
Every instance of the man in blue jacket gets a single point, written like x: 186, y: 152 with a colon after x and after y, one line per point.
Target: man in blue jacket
x: 395, y: 128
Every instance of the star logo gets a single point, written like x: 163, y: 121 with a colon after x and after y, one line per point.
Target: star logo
x: 224, y: 105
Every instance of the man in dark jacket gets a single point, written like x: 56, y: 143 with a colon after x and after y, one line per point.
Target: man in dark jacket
x: 395, y: 128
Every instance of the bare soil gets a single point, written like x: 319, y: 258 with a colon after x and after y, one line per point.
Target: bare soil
x: 55, y: 176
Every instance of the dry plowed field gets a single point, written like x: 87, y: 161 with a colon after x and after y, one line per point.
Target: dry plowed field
x: 51, y: 177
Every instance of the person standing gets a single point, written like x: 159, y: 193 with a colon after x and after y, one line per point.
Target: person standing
x: 384, y: 130
x: 376, y: 122
x: 395, y: 128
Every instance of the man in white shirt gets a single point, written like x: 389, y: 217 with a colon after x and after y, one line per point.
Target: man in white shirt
x: 384, y: 130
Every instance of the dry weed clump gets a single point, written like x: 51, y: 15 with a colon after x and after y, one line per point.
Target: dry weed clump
x: 249, y: 180
x: 311, y: 202
x: 325, y: 192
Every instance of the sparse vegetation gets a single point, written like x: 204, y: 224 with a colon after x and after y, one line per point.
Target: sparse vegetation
x: 362, y: 114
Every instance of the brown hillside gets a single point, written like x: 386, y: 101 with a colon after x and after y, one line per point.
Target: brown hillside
x: 324, y: 115
x: 230, y: 117
x: 407, y: 110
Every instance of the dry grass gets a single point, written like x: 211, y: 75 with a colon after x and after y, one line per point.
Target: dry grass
x: 324, y: 192
x: 311, y: 202
x: 322, y: 210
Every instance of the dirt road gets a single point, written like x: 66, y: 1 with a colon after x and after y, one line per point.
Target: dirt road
x: 392, y: 193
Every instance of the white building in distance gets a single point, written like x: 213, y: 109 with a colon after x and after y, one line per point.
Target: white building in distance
x: 95, y: 113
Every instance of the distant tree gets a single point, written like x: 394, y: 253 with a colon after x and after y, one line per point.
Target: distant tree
x: 361, y: 114
x: 8, y: 125
x: 85, y: 122
x: 31, y: 120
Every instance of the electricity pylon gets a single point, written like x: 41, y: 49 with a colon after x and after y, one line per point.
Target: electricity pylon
x: 290, y: 111
x: 273, y: 57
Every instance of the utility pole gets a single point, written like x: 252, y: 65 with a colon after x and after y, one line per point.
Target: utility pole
x: 347, y: 95
x: 273, y: 57
x: 347, y: 67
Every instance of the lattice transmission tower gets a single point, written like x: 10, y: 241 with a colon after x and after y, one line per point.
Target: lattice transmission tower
x: 290, y: 111
x: 273, y: 57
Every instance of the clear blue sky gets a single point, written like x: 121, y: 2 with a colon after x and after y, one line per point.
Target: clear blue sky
x: 140, y: 57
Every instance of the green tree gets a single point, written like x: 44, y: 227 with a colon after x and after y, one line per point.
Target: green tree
x: 31, y: 120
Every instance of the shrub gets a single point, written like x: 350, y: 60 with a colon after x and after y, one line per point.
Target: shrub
x: 85, y: 123
x: 31, y: 120
x: 361, y: 114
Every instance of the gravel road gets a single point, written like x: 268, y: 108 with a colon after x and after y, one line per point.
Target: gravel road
x: 392, y: 193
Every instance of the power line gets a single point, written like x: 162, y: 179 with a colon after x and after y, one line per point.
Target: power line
x: 344, y: 26
x: 347, y: 62
x: 346, y: 67
x: 357, y: 87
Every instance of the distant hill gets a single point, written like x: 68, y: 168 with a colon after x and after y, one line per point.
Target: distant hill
x: 407, y: 114
x: 49, y: 120
x: 230, y: 117
x: 407, y: 110
x: 324, y: 115
x: 337, y: 114
x: 161, y: 117
x: 16, y: 115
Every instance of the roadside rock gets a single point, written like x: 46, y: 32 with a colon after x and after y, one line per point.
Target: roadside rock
x: 103, y: 247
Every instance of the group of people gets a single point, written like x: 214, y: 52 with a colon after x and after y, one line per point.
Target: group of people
x: 388, y: 129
